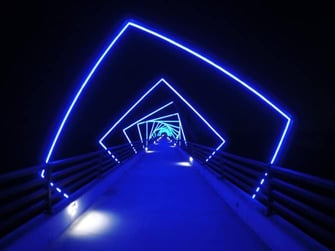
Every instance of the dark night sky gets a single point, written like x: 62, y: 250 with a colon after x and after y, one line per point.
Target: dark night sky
x: 286, y: 48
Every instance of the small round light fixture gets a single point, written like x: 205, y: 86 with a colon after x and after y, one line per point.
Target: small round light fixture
x: 72, y: 208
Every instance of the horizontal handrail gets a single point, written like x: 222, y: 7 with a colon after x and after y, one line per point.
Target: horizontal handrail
x: 33, y: 195
x: 16, y: 174
x: 310, y: 179
x: 306, y: 201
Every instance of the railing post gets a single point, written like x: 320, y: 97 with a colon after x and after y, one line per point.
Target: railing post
x: 224, y: 168
x: 101, y: 160
x: 49, y: 189
x: 269, y: 209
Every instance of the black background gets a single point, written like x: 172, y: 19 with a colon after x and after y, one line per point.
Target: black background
x: 286, y: 48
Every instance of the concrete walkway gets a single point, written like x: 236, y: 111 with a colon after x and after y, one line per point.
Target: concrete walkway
x: 161, y: 203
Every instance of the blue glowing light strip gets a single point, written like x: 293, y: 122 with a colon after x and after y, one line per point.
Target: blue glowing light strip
x: 168, y: 127
x: 171, y: 127
x: 197, y: 113
x: 183, y: 47
x: 218, y: 67
x: 52, y: 185
x: 153, y: 130
x: 79, y: 92
x: 139, y: 132
x: 248, y: 87
x: 146, y: 134
x: 180, y: 129
x: 162, y: 80
x: 129, y: 110
x: 194, y: 110
x: 259, y: 185
x: 186, y: 49
x: 164, y: 128
x: 161, y: 121
x: 141, y: 119
x: 213, y: 153
x: 148, y: 115
x: 288, y: 124
x: 131, y: 144
x: 152, y: 127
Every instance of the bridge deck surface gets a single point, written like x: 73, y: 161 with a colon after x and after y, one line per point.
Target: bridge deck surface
x: 159, y: 204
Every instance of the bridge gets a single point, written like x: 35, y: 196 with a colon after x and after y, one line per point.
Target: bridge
x: 149, y: 183
x: 164, y: 199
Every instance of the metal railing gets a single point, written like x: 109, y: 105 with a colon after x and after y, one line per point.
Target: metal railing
x: 305, y: 201
x: 22, y: 197
x: 24, y: 194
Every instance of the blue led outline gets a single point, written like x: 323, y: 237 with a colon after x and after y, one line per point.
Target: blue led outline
x: 210, y: 62
x: 155, y: 119
x: 152, y: 127
x: 170, y: 125
x: 140, y: 133
x: 163, y: 121
x: 156, y: 34
x: 182, y: 131
x: 151, y: 120
x: 76, y: 97
x: 146, y: 134
x: 175, y: 130
x: 157, y: 125
x: 195, y: 111
x: 133, y: 124
x: 146, y: 116
x: 162, y: 80
x: 53, y: 185
x: 248, y: 87
x: 150, y: 31
x: 166, y: 128
x: 126, y: 113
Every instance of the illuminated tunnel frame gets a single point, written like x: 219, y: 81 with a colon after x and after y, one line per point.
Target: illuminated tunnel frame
x: 159, y: 35
x: 134, y: 123
x: 168, y: 128
x: 162, y: 80
x: 180, y: 127
x: 158, y: 120
x: 160, y: 125
x: 126, y: 128
x: 164, y: 126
